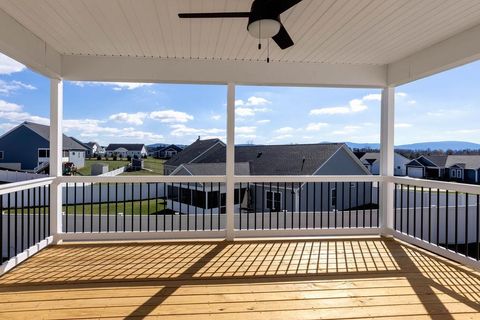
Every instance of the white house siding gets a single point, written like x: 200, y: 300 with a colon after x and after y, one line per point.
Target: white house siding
x: 416, y: 172
x: 77, y: 158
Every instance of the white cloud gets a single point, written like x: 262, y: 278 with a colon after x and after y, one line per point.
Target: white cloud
x: 9, y: 66
x: 244, y: 112
x: 8, y: 87
x: 316, y: 126
x: 245, y: 130
x: 216, y: 117
x: 411, y: 102
x: 354, y: 106
x: 9, y: 107
x: 265, y: 121
x: 117, y: 86
x: 14, y: 113
x: 347, y: 130
x: 373, y: 97
x: 252, y: 101
x: 403, y: 125
x: 401, y: 94
x: 132, y: 118
x: 170, y: 116
x: 180, y: 130
x: 280, y: 137
x: 284, y: 130
x: 329, y: 111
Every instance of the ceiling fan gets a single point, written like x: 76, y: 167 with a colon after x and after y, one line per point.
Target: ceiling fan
x: 263, y: 20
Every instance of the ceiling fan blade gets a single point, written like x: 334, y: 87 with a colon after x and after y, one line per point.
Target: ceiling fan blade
x: 281, y: 6
x: 214, y: 15
x: 282, y: 38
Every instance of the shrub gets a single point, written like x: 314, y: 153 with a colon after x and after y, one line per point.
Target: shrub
x: 129, y: 158
x: 114, y: 158
x: 99, y: 157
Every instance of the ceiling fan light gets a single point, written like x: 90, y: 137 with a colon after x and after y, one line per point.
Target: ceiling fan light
x: 264, y: 28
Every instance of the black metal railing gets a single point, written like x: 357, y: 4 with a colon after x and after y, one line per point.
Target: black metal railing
x: 444, y: 217
x: 143, y: 207
x: 310, y: 205
x: 24, y: 219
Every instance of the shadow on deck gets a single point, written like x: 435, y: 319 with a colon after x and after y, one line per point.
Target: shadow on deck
x: 277, y: 279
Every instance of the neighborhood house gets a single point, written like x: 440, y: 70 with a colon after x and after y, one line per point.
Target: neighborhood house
x: 26, y: 147
x: 123, y: 150
x: 371, y: 161
x: 461, y: 168
x: 207, y: 157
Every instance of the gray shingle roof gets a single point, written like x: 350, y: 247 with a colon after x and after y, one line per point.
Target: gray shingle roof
x: 211, y: 169
x: 292, y: 159
x: 464, y: 161
x: 191, y: 152
x: 128, y: 146
x: 44, y: 132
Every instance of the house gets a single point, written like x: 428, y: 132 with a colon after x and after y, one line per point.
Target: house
x: 95, y: 149
x: 460, y: 168
x: 166, y: 152
x: 26, y: 147
x: 192, y: 153
x: 123, y: 150
x: 295, y: 159
x: 371, y: 160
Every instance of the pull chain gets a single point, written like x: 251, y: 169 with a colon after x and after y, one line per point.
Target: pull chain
x: 259, y: 33
x: 268, y: 50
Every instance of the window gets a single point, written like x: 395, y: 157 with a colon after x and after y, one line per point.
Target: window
x: 274, y: 200
x: 65, y: 153
x: 1, y: 155
x: 454, y: 173
x: 333, y: 198
x: 43, y: 153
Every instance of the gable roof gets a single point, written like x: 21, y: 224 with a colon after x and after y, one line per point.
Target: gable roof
x: 91, y: 144
x: 463, y: 161
x: 44, y: 131
x: 210, y: 169
x: 127, y: 146
x: 172, y: 146
x: 193, y: 151
x: 291, y: 159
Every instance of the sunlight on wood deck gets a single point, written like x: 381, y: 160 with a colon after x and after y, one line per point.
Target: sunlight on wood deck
x: 285, y: 279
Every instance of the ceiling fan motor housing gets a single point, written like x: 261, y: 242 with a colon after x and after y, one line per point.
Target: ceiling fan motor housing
x: 262, y: 22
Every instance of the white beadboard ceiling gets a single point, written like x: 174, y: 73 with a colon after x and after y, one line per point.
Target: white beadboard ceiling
x: 373, y: 32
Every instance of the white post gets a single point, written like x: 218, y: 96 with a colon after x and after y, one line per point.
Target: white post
x: 230, y: 171
x: 387, y: 159
x: 56, y: 148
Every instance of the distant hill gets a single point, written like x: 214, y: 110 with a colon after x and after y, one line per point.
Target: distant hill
x: 437, y: 145
x: 440, y: 145
x: 161, y: 145
x: 353, y: 145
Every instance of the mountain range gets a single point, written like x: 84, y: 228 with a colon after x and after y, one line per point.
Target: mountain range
x: 434, y: 145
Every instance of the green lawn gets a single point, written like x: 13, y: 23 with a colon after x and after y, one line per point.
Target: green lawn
x: 152, y: 167
x: 112, y: 165
x: 151, y: 206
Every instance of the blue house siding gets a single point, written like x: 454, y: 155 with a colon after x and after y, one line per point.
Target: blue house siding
x: 21, y: 146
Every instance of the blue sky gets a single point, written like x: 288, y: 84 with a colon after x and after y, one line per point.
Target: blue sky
x: 441, y: 107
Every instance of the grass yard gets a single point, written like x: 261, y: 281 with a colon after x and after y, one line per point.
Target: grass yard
x: 151, y: 206
x: 112, y: 165
x: 152, y: 167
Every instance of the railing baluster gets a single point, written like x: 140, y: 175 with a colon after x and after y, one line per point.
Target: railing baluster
x: 299, y: 205
x: 29, y: 243
x: 477, y: 227
x: 438, y: 217
x: 421, y: 215
x: 173, y: 214
x: 292, y: 200
x: 188, y: 207
x: 196, y: 204
x: 356, y: 204
x: 9, y: 225
x: 446, y: 219
x: 466, y: 225
x: 131, y: 200
x: 124, y: 207
x: 306, y: 206
x: 156, y: 206
x: 378, y: 205
x: 148, y: 206
x: 100, y: 207
x: 116, y: 207
x: 414, y: 211
x: 329, y: 203
x: 263, y: 206
x: 430, y: 215
x: 456, y: 221
x: 364, y: 201
x: 35, y: 206
x: 205, y: 206
x: 140, y: 208
x: 91, y: 207
x: 83, y: 207
x: 314, y: 205
x: 408, y: 209
x: 16, y: 223
x: 371, y: 202
x: 219, y: 205
x: 211, y: 207
x: 1, y: 229
x: 321, y: 205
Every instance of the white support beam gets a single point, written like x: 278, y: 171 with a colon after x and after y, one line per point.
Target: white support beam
x: 22, y: 45
x: 56, y: 148
x: 230, y: 165
x: 133, y: 69
x: 387, y: 159
x: 457, y: 50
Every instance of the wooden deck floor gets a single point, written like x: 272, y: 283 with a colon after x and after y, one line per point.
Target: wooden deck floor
x: 296, y: 279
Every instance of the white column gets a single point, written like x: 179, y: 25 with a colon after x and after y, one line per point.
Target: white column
x: 56, y: 148
x: 387, y: 159
x: 230, y: 228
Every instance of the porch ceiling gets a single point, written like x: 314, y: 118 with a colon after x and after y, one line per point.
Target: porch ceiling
x: 361, y: 38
